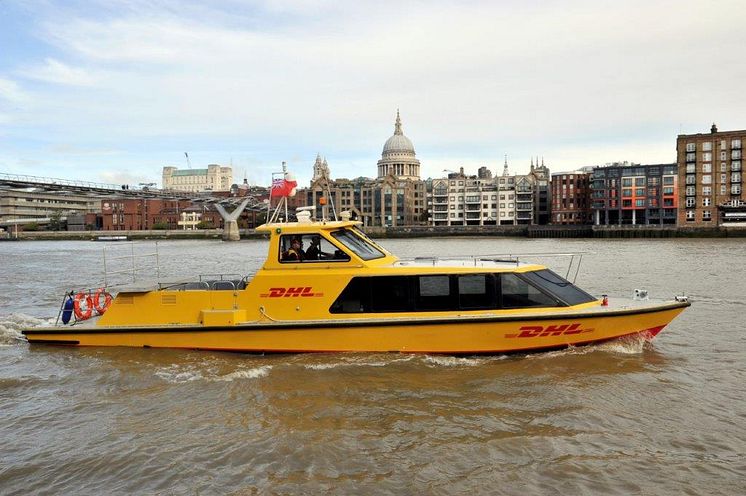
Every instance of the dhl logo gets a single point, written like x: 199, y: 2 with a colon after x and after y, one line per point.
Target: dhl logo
x: 550, y: 330
x: 291, y: 293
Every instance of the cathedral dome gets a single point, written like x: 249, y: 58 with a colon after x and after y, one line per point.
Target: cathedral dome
x: 398, y: 143
x: 398, y: 158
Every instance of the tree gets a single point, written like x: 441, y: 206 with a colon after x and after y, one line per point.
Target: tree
x: 161, y: 226
x: 55, y: 221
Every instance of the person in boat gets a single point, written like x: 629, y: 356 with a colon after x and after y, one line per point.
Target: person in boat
x: 295, y: 253
x: 314, y: 251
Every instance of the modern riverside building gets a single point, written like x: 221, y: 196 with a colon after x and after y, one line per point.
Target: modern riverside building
x: 396, y: 197
x: 23, y: 206
x: 214, y: 178
x: 710, y: 172
x: 483, y: 200
x: 468, y: 201
x: 634, y: 194
x: 571, y: 197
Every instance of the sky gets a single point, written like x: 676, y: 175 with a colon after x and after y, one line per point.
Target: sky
x: 111, y: 91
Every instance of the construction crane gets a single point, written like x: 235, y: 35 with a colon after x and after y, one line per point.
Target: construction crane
x: 189, y: 162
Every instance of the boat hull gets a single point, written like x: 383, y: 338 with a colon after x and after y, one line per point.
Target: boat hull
x: 463, y: 334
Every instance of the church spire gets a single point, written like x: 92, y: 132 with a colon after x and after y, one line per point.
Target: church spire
x: 505, y: 167
x: 397, y: 126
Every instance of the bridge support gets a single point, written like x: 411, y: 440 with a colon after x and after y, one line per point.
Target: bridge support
x: 230, y: 220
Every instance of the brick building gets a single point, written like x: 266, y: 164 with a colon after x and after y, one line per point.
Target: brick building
x: 571, y: 198
x: 710, y: 174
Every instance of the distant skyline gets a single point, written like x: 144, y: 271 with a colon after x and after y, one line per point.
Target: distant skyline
x: 112, y: 91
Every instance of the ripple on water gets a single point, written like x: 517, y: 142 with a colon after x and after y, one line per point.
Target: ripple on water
x: 182, y: 373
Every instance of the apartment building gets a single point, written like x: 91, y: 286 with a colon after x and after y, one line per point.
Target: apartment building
x: 571, y: 198
x: 710, y: 173
x: 624, y: 193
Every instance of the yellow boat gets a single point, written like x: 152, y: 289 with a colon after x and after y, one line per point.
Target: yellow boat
x: 327, y: 287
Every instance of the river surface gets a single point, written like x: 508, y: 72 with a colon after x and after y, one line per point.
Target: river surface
x: 626, y: 417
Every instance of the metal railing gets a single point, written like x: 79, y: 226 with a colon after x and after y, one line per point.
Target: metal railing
x: 131, y: 263
x: 573, y: 267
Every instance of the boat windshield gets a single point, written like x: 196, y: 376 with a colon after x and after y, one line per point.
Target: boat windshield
x: 558, y: 286
x: 359, y: 246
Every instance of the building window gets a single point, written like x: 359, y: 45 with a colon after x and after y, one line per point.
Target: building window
x: 706, y: 190
x: 691, y: 179
x: 668, y: 190
x: 627, y: 192
x: 706, y: 215
x: 723, y: 155
x: 706, y: 202
x: 668, y: 179
x: 722, y: 189
x: 723, y: 144
x: 735, y: 189
x: 706, y: 179
x: 735, y: 165
x: 735, y: 154
x: 707, y: 146
x: 706, y: 157
x: 735, y: 177
x: 627, y: 181
x: 640, y: 203
x: 690, y: 202
x: 640, y: 192
x: 707, y: 167
x: 690, y: 147
x: 735, y: 144
x: 723, y: 167
x: 690, y: 215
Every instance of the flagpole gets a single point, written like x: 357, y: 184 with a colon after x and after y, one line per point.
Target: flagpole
x: 284, y: 177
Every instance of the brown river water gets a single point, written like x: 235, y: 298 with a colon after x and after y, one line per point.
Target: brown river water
x: 626, y: 417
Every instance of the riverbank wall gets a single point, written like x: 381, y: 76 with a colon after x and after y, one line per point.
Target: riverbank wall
x: 600, y: 232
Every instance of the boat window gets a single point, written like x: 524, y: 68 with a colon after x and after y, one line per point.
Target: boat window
x: 519, y: 293
x: 476, y: 292
x: 558, y: 286
x: 374, y: 294
x: 389, y: 294
x: 354, y: 299
x: 309, y: 248
x: 427, y: 293
x: 359, y: 246
x: 434, y: 293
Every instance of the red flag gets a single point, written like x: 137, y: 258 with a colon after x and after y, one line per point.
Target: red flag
x: 284, y: 187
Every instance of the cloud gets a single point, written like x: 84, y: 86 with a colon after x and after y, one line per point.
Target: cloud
x: 54, y: 71
x: 11, y: 92
x: 474, y: 80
